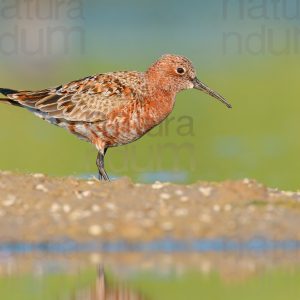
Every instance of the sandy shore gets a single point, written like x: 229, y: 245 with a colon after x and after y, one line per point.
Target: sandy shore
x: 37, y: 208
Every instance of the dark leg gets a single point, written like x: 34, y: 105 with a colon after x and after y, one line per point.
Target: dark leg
x: 100, y: 164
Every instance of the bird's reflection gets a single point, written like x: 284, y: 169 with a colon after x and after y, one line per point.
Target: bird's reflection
x: 101, y: 290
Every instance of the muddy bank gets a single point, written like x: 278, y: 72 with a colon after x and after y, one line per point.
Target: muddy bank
x: 36, y: 208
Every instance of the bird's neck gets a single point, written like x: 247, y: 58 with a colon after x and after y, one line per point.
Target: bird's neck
x: 159, y: 83
x: 160, y: 99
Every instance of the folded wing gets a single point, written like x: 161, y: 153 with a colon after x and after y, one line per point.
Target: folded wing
x: 90, y: 99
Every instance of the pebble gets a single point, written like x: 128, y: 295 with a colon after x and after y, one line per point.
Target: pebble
x: 90, y: 182
x: 273, y: 190
x: 179, y: 192
x: 42, y: 188
x: 216, y: 208
x: 79, y: 214
x: 9, y: 201
x: 110, y: 206
x: 165, y: 196
x: 288, y: 194
x: 96, y: 208
x: 247, y: 181
x: 82, y: 194
x: 157, y: 185
x: 95, y: 230
x: 184, y: 199
x: 205, y: 191
x: 86, y: 194
x: 6, y: 173
x: 181, y: 212
x: 66, y: 208
x: 38, y: 175
x: 167, y: 226
x: 55, y: 207
x: 78, y: 195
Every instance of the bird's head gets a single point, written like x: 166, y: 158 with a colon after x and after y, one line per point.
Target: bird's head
x: 175, y: 73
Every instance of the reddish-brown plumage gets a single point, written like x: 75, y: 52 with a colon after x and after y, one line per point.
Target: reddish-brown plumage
x: 113, y: 109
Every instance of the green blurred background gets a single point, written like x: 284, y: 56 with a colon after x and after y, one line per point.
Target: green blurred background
x: 246, y: 50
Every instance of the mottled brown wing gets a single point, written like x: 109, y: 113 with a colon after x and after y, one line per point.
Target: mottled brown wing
x: 90, y: 99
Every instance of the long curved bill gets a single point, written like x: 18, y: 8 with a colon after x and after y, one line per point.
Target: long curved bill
x: 198, y: 85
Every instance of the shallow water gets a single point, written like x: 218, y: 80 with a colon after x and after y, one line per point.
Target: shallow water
x: 164, y: 246
x: 209, y: 269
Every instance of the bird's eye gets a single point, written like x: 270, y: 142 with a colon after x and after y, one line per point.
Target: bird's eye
x: 180, y: 71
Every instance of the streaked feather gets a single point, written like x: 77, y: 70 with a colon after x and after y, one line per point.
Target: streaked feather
x: 88, y: 100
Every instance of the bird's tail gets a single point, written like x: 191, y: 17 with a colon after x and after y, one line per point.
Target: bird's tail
x: 7, y: 92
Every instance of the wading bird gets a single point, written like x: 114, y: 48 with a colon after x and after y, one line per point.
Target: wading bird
x: 113, y: 109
